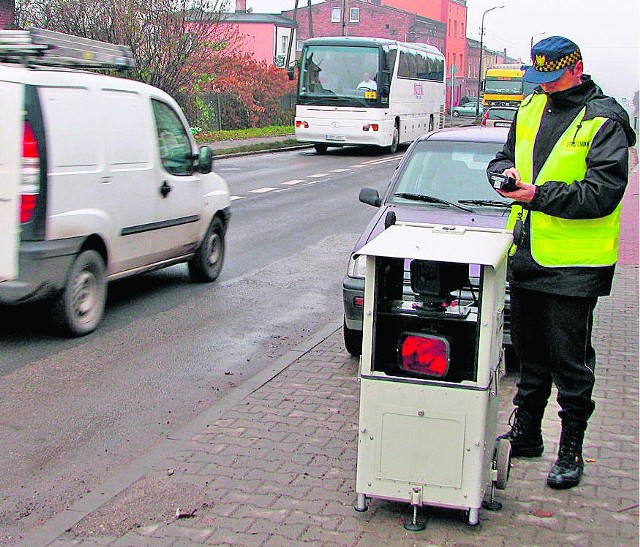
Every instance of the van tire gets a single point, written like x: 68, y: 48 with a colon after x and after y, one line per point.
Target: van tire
x: 320, y: 147
x: 206, y: 264
x: 79, y: 308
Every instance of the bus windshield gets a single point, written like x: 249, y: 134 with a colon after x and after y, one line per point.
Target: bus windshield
x: 340, y: 75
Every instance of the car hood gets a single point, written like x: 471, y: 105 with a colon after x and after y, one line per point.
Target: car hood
x: 488, y: 218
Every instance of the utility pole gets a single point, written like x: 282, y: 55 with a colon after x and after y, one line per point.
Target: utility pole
x: 478, y: 99
x: 344, y: 17
x: 291, y: 36
x: 310, y: 18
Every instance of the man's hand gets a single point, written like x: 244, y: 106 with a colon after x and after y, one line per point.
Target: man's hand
x: 526, y: 190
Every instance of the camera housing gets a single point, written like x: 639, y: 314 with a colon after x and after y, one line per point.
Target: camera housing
x: 503, y: 182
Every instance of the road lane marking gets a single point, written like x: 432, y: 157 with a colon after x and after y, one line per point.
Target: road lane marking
x: 318, y: 176
x: 233, y: 198
x: 292, y: 182
x: 262, y: 190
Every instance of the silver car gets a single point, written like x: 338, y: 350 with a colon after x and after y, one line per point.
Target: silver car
x: 441, y: 179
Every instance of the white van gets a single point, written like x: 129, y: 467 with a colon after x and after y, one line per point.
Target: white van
x: 100, y: 179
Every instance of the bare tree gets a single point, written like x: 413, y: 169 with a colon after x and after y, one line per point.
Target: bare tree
x: 164, y: 35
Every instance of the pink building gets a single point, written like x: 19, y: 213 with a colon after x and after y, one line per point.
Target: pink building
x: 264, y: 35
x: 7, y: 10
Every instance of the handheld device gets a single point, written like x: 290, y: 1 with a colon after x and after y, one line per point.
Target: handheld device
x: 503, y: 182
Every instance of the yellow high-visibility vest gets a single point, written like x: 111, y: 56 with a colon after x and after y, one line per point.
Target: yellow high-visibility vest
x: 560, y: 242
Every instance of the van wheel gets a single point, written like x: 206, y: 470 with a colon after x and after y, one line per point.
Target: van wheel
x: 78, y: 309
x: 352, y: 340
x: 206, y: 264
x: 393, y: 147
x: 321, y: 148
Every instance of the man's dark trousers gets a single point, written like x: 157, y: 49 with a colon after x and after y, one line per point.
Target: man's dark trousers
x: 552, y: 337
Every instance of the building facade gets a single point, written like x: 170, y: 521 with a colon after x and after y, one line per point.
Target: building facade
x: 7, y: 14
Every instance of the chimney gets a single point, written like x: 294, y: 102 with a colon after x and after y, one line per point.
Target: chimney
x: 241, y: 6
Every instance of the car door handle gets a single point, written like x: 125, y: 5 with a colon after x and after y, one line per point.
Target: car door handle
x: 165, y: 189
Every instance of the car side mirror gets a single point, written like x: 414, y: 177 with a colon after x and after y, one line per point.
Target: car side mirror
x: 370, y: 196
x: 205, y: 160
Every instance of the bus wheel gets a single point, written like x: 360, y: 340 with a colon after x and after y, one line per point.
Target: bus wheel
x: 320, y: 147
x: 393, y: 147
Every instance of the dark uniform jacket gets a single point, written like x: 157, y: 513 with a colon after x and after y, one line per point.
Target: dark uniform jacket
x: 596, y: 196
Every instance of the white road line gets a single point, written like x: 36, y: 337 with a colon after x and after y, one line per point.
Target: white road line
x: 233, y: 198
x: 262, y: 190
x: 340, y: 170
x: 318, y: 176
x: 292, y: 182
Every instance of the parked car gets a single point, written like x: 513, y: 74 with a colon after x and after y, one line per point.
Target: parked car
x: 467, y: 99
x: 441, y: 179
x: 100, y: 179
x: 498, y: 116
x: 467, y: 110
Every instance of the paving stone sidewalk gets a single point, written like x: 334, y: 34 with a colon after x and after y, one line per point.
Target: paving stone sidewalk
x: 278, y: 467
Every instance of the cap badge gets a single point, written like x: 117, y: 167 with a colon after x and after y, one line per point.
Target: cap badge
x: 540, y: 60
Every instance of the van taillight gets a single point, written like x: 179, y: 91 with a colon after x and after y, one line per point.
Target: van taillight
x: 424, y: 355
x: 30, y: 179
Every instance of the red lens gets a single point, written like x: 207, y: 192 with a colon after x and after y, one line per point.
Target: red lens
x: 424, y: 355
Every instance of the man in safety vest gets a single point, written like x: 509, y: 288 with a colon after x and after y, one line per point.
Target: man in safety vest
x: 568, y: 151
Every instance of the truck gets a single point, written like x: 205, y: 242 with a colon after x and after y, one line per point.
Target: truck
x: 503, y: 86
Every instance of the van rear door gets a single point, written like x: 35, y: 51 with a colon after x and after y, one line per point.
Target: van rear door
x: 11, y: 127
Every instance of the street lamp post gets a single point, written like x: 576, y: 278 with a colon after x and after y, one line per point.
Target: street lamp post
x: 481, y: 56
x: 532, y: 38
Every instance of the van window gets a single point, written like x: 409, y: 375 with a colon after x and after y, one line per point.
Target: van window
x: 173, y: 142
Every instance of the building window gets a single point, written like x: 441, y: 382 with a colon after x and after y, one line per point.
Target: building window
x: 335, y: 15
x: 354, y: 15
x: 285, y: 43
x: 455, y: 28
x: 299, y: 45
x: 462, y: 30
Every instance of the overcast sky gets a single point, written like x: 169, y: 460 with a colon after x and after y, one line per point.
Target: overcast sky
x: 606, y: 32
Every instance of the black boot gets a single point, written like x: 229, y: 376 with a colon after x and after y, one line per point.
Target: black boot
x: 525, y: 434
x: 567, y: 470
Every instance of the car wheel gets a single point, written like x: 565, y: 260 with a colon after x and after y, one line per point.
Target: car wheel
x: 455, y: 113
x: 393, y: 147
x: 78, y: 309
x: 352, y: 340
x: 321, y: 148
x: 206, y: 264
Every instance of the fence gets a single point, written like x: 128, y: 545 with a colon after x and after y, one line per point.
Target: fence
x: 218, y: 111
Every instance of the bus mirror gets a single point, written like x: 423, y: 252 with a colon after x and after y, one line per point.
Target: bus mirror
x: 384, y: 92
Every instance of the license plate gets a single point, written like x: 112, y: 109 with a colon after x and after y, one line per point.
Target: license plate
x: 502, y: 124
x: 334, y: 137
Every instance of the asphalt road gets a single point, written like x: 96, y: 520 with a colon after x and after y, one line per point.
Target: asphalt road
x: 74, y: 412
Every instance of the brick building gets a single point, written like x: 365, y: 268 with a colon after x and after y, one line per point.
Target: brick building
x: 7, y: 13
x: 366, y: 18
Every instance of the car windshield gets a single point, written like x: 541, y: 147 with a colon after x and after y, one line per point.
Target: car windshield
x: 450, y: 171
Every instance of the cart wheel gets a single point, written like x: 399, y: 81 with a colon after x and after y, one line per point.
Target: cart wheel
x: 503, y: 462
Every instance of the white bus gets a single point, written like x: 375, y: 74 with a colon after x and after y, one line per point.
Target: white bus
x: 368, y: 91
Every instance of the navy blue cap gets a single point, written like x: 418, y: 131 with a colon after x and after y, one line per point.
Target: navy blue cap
x: 551, y: 57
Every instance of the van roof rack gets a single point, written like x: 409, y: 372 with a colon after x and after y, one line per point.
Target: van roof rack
x: 36, y: 46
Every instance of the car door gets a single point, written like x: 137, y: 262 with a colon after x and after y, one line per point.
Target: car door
x: 179, y: 199
x: 11, y: 126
